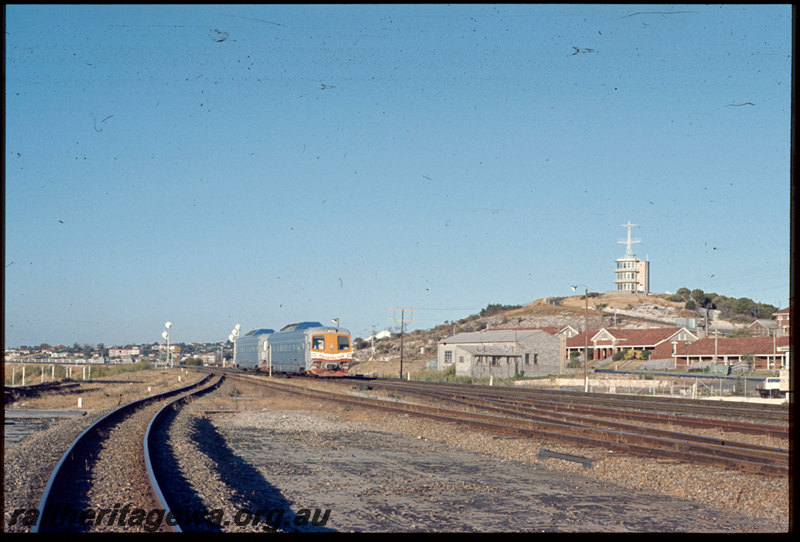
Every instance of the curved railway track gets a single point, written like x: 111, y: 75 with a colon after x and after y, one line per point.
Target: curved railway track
x: 107, y: 473
x: 591, y: 431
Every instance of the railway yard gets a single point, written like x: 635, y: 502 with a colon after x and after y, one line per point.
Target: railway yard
x: 247, y: 453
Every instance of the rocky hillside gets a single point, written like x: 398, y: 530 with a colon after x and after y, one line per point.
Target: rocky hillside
x: 623, y: 311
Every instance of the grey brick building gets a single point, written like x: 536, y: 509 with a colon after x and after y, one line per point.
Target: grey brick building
x: 502, y: 353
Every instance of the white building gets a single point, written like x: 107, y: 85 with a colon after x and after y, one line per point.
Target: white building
x: 123, y: 353
x: 631, y: 274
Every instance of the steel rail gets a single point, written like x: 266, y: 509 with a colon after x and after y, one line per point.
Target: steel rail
x: 727, y: 455
x: 532, y: 414
x: 14, y: 393
x: 148, y: 445
x: 539, y: 406
x: 661, y: 404
x: 67, y: 459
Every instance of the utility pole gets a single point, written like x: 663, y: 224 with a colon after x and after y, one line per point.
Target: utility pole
x: 402, y: 333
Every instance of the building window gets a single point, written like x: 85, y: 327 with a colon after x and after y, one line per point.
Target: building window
x: 448, y: 356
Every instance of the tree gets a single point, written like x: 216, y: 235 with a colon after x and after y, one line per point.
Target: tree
x: 744, y: 305
x: 702, y: 299
x: 766, y: 311
x: 494, y: 308
x: 723, y: 304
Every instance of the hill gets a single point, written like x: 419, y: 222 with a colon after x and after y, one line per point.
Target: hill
x: 622, y: 311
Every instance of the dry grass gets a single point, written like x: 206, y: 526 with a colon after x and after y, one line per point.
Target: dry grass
x: 108, y: 392
x: 389, y: 368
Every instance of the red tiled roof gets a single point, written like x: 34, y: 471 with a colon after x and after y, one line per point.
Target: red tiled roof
x: 577, y: 340
x: 733, y: 346
x: 628, y: 337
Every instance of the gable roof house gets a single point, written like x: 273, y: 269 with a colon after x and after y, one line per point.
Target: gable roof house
x: 660, y: 342
x: 782, y: 321
x: 762, y: 328
x: 502, y: 353
x: 567, y: 331
x: 766, y: 353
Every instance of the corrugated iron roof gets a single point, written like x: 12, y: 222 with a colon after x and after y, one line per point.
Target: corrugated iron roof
x: 492, y: 336
x: 489, y: 351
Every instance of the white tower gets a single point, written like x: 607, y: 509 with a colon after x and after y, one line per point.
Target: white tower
x: 632, y: 275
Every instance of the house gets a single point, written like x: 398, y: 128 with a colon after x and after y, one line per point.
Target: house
x: 124, y: 354
x: 208, y: 358
x: 782, y: 321
x: 762, y: 328
x: 502, y: 353
x: 764, y: 353
x: 659, y: 342
x: 567, y: 331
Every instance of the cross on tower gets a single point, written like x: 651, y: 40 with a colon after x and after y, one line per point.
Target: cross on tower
x: 629, y: 242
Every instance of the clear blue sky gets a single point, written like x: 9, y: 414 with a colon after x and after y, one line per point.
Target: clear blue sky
x: 263, y: 165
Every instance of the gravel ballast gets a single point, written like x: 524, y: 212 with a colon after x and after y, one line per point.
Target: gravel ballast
x: 243, y: 449
x: 366, y: 467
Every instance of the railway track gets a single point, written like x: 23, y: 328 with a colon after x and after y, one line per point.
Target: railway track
x: 106, y: 480
x: 634, y: 439
x: 15, y: 393
x: 756, y: 412
x: 533, y: 405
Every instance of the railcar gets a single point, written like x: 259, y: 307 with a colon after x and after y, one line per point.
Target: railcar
x: 309, y: 348
x: 251, y: 349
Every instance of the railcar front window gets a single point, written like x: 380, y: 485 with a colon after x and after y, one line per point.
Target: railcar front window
x: 344, y: 342
x: 318, y: 343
